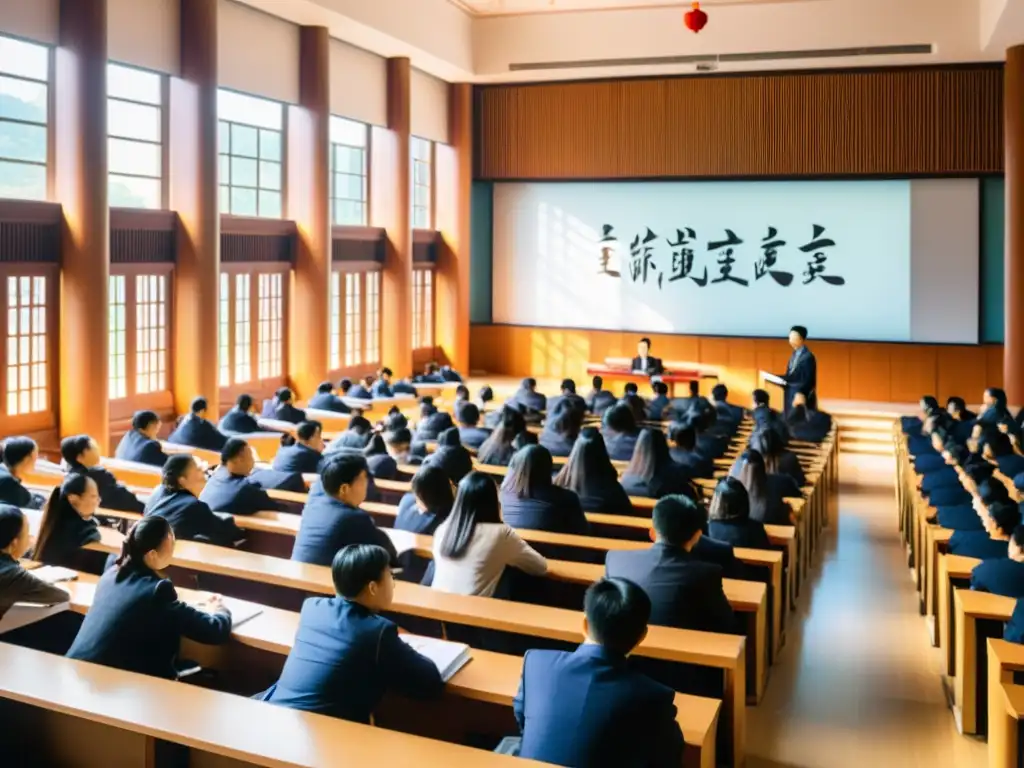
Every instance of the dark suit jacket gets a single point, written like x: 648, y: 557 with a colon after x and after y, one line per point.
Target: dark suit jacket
x: 766, y: 417
x: 18, y: 585
x: 654, y: 366
x: 556, y: 510
x: 960, y: 517
x: 591, y: 709
x: 607, y: 496
x: 802, y: 378
x: 13, y: 492
x: 1000, y: 576
x: 943, y: 477
x: 297, y: 458
x: 235, y: 494
x: 192, y: 519
x: 950, y: 496
x: 557, y: 444
x: 600, y: 401
x: 729, y: 413
x: 329, y: 524
x: 358, y: 390
x: 620, y: 445
x: 571, y: 400
x: 382, y: 466
x: 473, y: 437
x: 381, y: 389
x: 64, y: 547
x: 288, y: 412
x: 455, y: 460
x: 976, y: 544
x: 685, y: 592
x: 779, y: 488
x: 533, y: 400
x: 789, y: 464
x: 1011, y: 465
x: 693, y: 463
x: 411, y: 518
x: 136, y: 623
x: 198, y: 433
x: 113, y: 495
x: 720, y: 553
x: 238, y: 422
x: 740, y: 533
x: 1014, y: 630
x: 669, y: 481
x: 813, y: 429
x: 657, y: 406
x: 928, y: 462
x: 345, y: 658
x: 327, y: 401
x: 272, y: 480
x: 432, y: 426
x: 135, y: 446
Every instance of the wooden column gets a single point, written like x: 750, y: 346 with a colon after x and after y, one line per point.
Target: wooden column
x: 308, y: 205
x: 195, y: 196
x: 391, y: 208
x: 454, y: 188
x: 80, y: 184
x: 1013, y: 108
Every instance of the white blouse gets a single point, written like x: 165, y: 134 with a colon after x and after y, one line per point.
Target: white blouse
x: 477, y: 572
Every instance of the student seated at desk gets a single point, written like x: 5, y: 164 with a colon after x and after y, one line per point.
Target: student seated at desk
x: 659, y: 404
x: 136, y: 621
x: 431, y: 375
x: 577, y: 708
x: 528, y: 396
x: 995, y: 411
x: 432, y: 421
x: 380, y: 463
x: 1013, y: 630
x: 362, y: 389
x: 81, y: 456
x: 326, y: 400
x: 398, y: 443
x: 561, y: 428
x: 777, y: 459
x: 239, y: 420
x: 767, y: 492
x: 382, y: 386
x: 963, y: 513
x: 652, y: 473
x: 353, y: 440
x: 429, y: 503
x: 460, y: 402
x: 473, y: 547
x: 1003, y: 575
x: 631, y: 399
x: 728, y: 413
x: 140, y: 443
x: 68, y: 524
x: 332, y: 519
x: 806, y: 425
x: 196, y: 431
x: 957, y: 408
x: 176, y: 500
x: 683, y: 406
x: 999, y: 519
x: 684, y: 451
x: 16, y: 584
x: 530, y: 500
x: 468, y: 416
x: 497, y: 449
x: 566, y: 398
x: 999, y: 450
x: 303, y: 451
x: 285, y: 409
x: 764, y: 416
x: 590, y: 474
x: 620, y: 432
x: 231, y: 489
x: 19, y: 460
x: 685, y: 592
x: 346, y: 655
x: 451, y: 456
x: 599, y: 399
x: 730, y: 517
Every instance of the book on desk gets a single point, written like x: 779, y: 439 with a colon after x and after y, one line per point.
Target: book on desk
x: 447, y: 656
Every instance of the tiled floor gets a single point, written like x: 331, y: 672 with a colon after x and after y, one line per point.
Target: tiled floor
x: 857, y: 684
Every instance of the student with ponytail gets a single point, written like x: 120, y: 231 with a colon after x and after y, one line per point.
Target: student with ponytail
x: 68, y: 524
x: 177, y: 500
x: 16, y: 584
x: 81, y: 456
x: 19, y: 459
x: 136, y: 621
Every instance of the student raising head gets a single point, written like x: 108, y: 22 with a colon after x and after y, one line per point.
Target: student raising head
x: 81, y: 456
x: 530, y: 500
x: 239, y: 420
x: 651, y: 472
x: 730, y: 517
x: 19, y: 460
x: 176, y: 499
x: 346, y: 655
x: 590, y: 474
x: 68, y: 524
x: 231, y: 489
x: 136, y: 621
x: 473, y: 546
x: 303, y: 451
x: 470, y: 433
x: 684, y: 451
x: 429, y: 502
x: 196, y: 431
x: 777, y: 459
x: 140, y: 442
x: 16, y: 584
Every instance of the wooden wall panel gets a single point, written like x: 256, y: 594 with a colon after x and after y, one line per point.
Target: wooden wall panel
x: 923, y: 120
x: 847, y: 370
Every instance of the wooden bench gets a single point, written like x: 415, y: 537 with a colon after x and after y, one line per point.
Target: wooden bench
x: 978, y: 615
x: 1005, y: 703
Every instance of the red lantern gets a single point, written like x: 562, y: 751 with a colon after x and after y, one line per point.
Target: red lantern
x: 695, y: 19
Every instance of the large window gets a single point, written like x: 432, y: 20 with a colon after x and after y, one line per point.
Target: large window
x: 135, y: 150
x: 27, y: 354
x: 24, y: 99
x: 422, y: 184
x: 270, y: 316
x: 355, y: 319
x: 252, y: 325
x: 139, y: 355
x: 349, y: 144
x: 422, y: 308
x: 251, y: 155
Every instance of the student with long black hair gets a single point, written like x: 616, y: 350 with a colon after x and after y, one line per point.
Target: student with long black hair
x: 380, y: 463
x: 19, y: 459
x: 590, y: 474
x: 68, y: 524
x: 652, y: 473
x: 777, y: 458
x: 303, y: 451
x: 16, y: 584
x: 239, y: 420
x: 176, y: 499
x: 529, y: 498
x: 136, y: 621
x: 451, y: 456
x: 81, y: 456
x: 497, y: 449
x: 767, y: 492
x: 620, y: 432
x: 561, y: 428
x: 140, y: 442
x: 196, y: 431
x: 730, y: 517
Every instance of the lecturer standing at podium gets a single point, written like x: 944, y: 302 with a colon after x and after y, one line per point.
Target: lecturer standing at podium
x: 643, y: 362
x: 802, y: 371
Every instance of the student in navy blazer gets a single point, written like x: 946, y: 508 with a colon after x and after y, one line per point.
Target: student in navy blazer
x: 652, y: 473
x: 81, y: 455
x: 285, y: 409
x: 620, y: 432
x: 326, y: 400
x: 332, y: 518
x: 566, y: 398
x: 378, y: 460
x: 346, y: 655
x: 451, y: 456
x: 239, y: 420
x: 765, y: 416
x: 590, y: 707
x: 530, y: 500
x: 19, y: 460
x: 806, y: 425
x: 231, y: 490
x: 999, y: 450
x: 361, y: 389
x: 472, y: 435
x: 1003, y: 575
x: 685, y: 454
x: 528, y: 396
x: 68, y: 524
x: 140, y: 443
x: 599, y: 400
x: 561, y: 428
x: 176, y: 499
x: 196, y: 431
x: 382, y: 386
x: 303, y: 451
x: 1000, y: 519
x: 421, y: 512
x: 590, y: 474
x: 777, y: 459
x: 660, y: 403
x: 16, y: 583
x: 727, y: 412
x: 730, y: 517
x: 136, y: 621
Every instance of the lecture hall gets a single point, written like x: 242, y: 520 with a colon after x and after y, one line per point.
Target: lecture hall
x: 472, y: 383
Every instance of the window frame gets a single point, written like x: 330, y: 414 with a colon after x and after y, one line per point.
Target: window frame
x: 165, y: 130
x: 367, y: 150
x: 282, y: 191
x: 364, y: 365
x: 51, y: 105
x: 431, y: 163
x: 422, y: 329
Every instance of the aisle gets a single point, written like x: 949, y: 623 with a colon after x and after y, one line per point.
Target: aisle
x: 857, y: 684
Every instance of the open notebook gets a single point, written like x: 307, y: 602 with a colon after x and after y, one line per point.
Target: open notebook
x: 54, y: 573
x: 448, y: 657
x: 241, y: 611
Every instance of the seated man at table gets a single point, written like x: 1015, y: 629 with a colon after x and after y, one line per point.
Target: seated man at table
x: 528, y: 396
x: 239, y: 420
x: 431, y: 375
x: 684, y: 451
x: 658, y: 405
x: 346, y: 655
x: 567, y: 396
x: 285, y: 409
x: 382, y: 386
x: 326, y: 400
x: 196, y: 431
x: 764, y: 416
x: 727, y: 412
x: 332, y: 519
x: 1003, y: 575
x: 140, y: 443
x: 230, y: 489
x: 644, y: 362
x: 362, y: 389
x: 682, y: 406
x: 999, y: 450
x: 470, y: 433
x: 999, y: 519
x: 807, y: 425
x: 599, y: 400
x: 957, y: 509
x: 632, y: 400
x: 574, y: 708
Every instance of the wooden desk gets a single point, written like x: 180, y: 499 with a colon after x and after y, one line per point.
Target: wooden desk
x: 970, y: 683
x: 671, y: 378
x: 953, y: 570
x: 1005, y: 703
